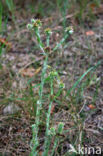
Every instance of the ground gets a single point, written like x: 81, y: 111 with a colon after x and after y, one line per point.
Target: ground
x: 21, y: 67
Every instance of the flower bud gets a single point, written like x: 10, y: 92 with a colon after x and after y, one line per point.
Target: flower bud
x: 60, y: 128
x: 33, y: 21
x: 52, y: 131
x: 48, y: 31
x: 29, y: 26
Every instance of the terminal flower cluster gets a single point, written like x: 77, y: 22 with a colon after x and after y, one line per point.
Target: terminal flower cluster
x: 35, y: 23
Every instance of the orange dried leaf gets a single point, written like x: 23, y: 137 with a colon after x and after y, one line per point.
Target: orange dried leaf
x: 5, y: 43
x: 28, y: 72
x: 90, y: 33
x: 52, y: 109
x: 40, y: 153
x: 93, y: 6
x: 91, y: 106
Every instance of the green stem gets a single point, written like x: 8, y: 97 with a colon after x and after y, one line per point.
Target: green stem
x: 47, y: 140
x: 39, y: 107
x: 61, y: 42
x: 47, y: 40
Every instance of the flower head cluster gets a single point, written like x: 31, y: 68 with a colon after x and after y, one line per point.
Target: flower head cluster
x: 60, y: 84
x: 35, y: 23
x: 69, y: 30
x: 56, y: 130
x: 52, y: 131
x: 48, y: 31
x: 47, y: 49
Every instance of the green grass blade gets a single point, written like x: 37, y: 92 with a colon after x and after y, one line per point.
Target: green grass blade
x: 1, y: 16
x: 81, y: 78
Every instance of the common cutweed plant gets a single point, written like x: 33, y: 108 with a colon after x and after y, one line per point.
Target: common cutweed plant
x: 52, y: 77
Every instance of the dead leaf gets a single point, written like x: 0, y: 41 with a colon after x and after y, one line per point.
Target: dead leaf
x: 5, y: 43
x: 37, y: 71
x: 30, y: 72
x: 93, y: 6
x: 91, y: 106
x: 90, y: 33
x: 52, y: 109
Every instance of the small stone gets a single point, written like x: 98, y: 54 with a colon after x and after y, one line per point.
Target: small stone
x: 11, y: 109
x: 14, y: 85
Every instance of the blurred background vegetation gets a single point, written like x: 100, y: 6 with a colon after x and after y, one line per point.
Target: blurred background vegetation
x: 81, y: 8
